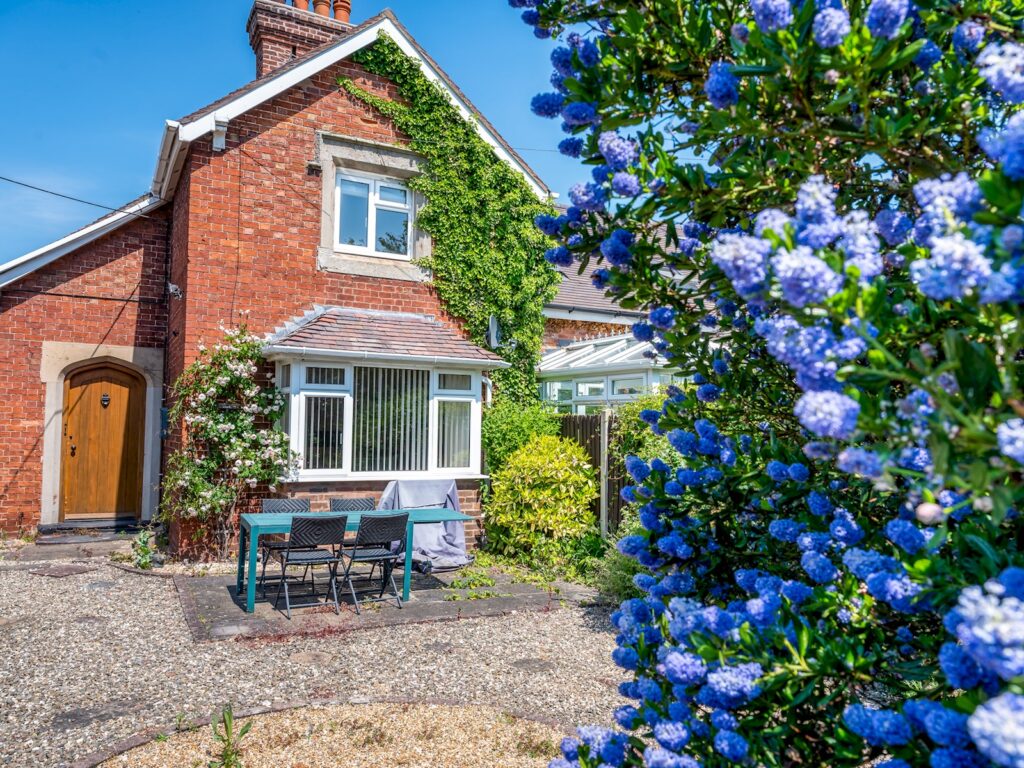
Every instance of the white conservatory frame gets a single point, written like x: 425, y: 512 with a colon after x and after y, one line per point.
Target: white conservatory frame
x: 600, y: 364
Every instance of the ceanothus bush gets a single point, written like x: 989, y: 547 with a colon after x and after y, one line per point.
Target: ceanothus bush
x: 819, y: 207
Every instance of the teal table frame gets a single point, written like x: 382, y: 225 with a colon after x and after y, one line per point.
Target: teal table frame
x: 269, y: 523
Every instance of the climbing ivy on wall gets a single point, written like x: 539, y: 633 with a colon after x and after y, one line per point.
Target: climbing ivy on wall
x: 488, y: 257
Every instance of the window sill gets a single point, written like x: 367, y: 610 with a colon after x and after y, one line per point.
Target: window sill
x: 385, y: 267
x: 439, y: 474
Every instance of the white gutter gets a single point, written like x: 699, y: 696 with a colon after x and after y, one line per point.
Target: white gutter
x: 169, y: 148
x: 275, y: 351
x: 556, y: 312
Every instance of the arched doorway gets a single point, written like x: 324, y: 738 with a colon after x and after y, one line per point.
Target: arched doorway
x: 102, y: 441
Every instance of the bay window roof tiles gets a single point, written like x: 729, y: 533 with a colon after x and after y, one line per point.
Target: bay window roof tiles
x: 358, y: 331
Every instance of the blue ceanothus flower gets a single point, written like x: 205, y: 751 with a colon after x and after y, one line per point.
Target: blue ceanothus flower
x: 626, y: 184
x: 956, y: 265
x: 878, y: 727
x: 1006, y: 146
x: 619, y: 153
x: 1002, y: 65
x: 744, y: 260
x: 722, y: 87
x: 828, y: 414
x: 548, y: 104
x: 886, y: 17
x: 860, y: 461
x: 1010, y: 436
x: 989, y: 623
x: 968, y: 37
x: 772, y: 15
x: 997, y: 729
x: 804, y: 278
x: 831, y: 26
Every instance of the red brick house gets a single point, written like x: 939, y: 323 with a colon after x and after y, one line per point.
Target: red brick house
x: 285, y: 199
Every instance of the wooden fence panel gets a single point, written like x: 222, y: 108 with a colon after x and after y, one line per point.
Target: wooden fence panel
x: 593, y: 431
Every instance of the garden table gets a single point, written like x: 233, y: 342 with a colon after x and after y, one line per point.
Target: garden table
x: 267, y: 523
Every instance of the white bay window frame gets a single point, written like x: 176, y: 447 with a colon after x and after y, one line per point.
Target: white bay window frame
x: 298, y: 392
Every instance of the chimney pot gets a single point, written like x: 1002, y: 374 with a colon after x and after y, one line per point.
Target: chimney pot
x: 343, y: 11
x: 322, y: 7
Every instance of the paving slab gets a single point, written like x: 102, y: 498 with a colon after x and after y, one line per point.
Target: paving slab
x: 214, y: 610
x: 62, y: 571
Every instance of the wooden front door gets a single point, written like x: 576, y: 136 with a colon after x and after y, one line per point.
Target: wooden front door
x: 102, y: 442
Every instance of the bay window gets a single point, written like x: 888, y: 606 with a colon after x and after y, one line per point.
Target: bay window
x: 373, y: 216
x: 363, y: 421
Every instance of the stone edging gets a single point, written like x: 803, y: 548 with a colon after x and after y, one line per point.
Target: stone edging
x: 144, y: 737
x: 138, y: 571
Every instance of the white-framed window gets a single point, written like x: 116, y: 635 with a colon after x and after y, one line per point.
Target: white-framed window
x: 381, y: 422
x: 585, y: 394
x: 373, y: 216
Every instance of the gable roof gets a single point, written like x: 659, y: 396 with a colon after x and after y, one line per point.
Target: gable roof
x: 179, y: 134
x: 372, y: 335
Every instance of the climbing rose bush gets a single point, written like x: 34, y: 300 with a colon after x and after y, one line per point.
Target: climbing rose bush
x: 230, y: 442
x: 819, y: 206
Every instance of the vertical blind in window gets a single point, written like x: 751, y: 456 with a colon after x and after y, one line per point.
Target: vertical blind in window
x: 325, y: 433
x: 334, y: 377
x: 390, y: 433
x: 453, y: 431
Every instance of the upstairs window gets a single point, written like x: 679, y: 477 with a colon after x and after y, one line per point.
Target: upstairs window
x: 374, y: 216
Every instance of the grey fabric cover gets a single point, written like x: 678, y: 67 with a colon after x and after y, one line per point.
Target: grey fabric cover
x: 443, y: 544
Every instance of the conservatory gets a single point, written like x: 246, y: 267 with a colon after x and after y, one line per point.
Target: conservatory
x: 590, y: 376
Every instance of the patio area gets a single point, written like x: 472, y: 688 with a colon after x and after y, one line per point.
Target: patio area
x: 92, y: 654
x: 214, y: 610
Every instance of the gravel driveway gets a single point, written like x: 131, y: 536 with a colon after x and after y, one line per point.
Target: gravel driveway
x: 89, y: 659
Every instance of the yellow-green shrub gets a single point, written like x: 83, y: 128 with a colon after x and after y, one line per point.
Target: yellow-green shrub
x: 540, y: 500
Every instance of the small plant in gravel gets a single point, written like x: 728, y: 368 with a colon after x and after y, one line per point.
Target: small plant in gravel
x: 229, y: 752
x: 143, y: 549
x: 230, y: 444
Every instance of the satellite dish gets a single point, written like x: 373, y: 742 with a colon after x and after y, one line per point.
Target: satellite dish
x: 493, y: 333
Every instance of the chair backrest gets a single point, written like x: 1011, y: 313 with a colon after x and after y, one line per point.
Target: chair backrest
x: 286, y: 505
x: 317, y: 531
x: 364, y: 504
x: 381, y: 530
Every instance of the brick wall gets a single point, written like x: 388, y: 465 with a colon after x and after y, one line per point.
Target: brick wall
x: 558, y: 332
x: 109, y: 292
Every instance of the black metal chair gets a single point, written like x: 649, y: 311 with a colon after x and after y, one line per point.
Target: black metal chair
x: 375, y: 544
x: 270, y: 547
x: 304, y: 548
x: 355, y: 504
x: 361, y: 504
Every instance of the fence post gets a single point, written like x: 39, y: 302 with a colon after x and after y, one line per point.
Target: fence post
x: 605, y: 415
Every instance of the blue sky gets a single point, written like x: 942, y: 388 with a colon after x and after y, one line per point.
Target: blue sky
x: 88, y: 84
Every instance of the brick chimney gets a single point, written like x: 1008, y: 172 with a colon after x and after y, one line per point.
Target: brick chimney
x: 281, y: 30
